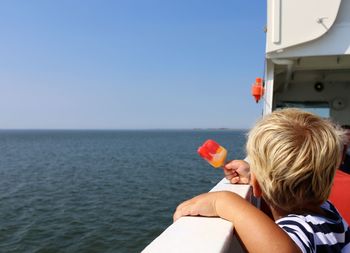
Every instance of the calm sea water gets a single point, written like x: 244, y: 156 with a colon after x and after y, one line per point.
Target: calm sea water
x: 99, y: 191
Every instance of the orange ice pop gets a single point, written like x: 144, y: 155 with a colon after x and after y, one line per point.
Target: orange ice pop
x: 213, y: 153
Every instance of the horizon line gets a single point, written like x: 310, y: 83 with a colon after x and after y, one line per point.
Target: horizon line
x: 119, y: 129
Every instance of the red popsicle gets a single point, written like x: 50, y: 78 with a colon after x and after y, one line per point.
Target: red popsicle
x: 213, y: 153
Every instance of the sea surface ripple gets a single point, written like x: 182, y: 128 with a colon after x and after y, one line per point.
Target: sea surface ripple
x: 99, y: 191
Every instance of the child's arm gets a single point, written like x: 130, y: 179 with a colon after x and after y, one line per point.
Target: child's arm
x: 237, y: 172
x: 256, y: 230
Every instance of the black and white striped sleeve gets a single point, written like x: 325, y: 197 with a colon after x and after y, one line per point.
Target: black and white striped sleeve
x: 300, y: 232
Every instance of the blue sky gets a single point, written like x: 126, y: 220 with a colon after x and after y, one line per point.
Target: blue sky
x: 130, y: 64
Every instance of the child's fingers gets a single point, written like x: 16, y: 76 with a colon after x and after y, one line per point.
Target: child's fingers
x: 239, y: 180
x: 185, y: 203
x: 177, y: 215
x: 244, y: 180
x: 230, y: 174
x: 232, y: 165
x: 235, y: 180
x: 189, y: 207
x: 183, y: 210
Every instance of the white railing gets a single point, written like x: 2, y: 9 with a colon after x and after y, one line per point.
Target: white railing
x: 201, y: 234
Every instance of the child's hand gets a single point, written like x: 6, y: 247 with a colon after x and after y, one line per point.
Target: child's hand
x: 237, y: 172
x: 203, y: 205
x: 267, y: 236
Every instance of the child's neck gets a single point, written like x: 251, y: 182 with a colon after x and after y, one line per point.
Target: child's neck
x: 310, y: 209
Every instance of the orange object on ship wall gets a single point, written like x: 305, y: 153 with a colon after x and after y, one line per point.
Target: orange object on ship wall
x: 258, y: 89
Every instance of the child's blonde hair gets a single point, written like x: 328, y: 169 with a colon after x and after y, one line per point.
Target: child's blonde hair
x: 294, y: 156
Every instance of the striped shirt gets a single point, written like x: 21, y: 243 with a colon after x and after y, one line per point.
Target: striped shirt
x: 314, y: 233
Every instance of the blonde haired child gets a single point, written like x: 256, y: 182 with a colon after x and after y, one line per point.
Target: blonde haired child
x: 293, y: 158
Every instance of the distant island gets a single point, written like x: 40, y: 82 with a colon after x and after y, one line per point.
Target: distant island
x: 219, y: 128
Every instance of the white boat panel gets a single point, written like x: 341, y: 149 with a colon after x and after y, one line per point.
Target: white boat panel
x: 295, y: 22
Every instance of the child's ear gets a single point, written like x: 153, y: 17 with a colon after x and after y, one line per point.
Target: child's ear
x: 256, y: 186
